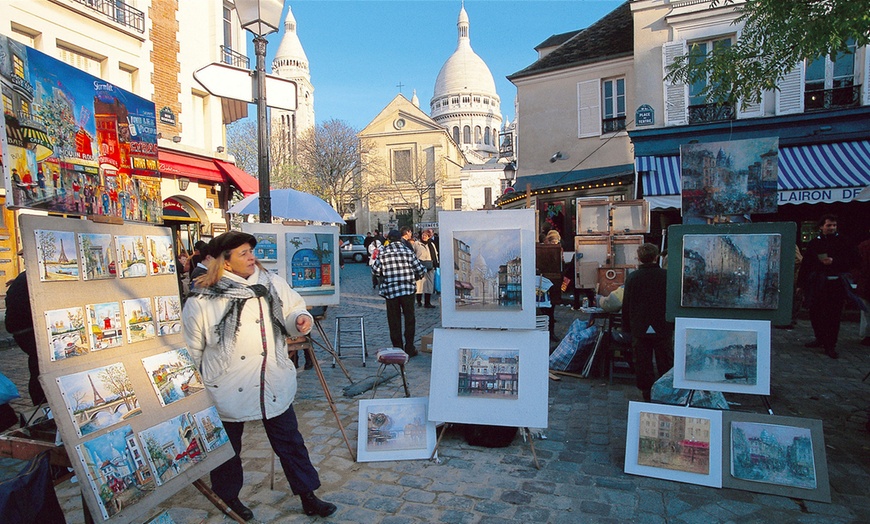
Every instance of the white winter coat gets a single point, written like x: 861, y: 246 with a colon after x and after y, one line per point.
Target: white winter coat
x: 236, y: 391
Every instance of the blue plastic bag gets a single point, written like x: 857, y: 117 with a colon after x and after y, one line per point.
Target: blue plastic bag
x: 438, y: 280
x: 8, y: 391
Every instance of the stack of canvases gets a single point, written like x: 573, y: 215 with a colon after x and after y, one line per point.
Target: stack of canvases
x: 743, y: 272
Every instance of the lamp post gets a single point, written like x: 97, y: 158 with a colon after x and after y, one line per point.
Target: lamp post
x: 260, y: 18
x: 510, y: 173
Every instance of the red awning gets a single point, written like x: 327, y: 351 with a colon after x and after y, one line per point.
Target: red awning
x: 245, y: 182
x: 193, y: 167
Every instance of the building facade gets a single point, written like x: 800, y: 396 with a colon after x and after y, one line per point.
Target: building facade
x: 291, y: 63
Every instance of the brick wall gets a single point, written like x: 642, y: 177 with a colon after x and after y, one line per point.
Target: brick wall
x: 164, y: 57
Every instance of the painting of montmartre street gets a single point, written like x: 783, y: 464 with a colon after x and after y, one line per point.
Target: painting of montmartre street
x: 674, y: 442
x: 773, y: 454
x: 731, y: 271
x: 488, y: 270
x: 489, y: 373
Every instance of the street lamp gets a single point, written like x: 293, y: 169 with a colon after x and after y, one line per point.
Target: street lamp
x: 261, y: 17
x: 510, y: 173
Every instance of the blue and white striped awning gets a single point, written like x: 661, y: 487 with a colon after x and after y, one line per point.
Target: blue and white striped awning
x: 817, y: 166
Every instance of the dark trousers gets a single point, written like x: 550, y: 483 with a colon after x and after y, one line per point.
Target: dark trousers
x: 826, y: 307
x: 644, y: 350
x: 286, y: 441
x: 396, y: 307
x: 27, y: 343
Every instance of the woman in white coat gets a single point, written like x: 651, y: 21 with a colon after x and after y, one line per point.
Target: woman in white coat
x: 428, y: 256
x: 236, y: 321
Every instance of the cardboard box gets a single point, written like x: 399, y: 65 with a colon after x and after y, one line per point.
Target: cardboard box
x: 426, y: 343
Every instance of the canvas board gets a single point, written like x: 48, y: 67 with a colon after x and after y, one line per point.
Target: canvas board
x: 776, y: 455
x: 488, y: 261
x: 593, y: 217
x: 739, y: 293
x: 630, y: 217
x: 489, y: 377
x: 394, y: 429
x: 305, y: 256
x: 674, y: 443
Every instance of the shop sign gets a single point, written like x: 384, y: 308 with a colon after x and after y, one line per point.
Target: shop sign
x: 645, y: 116
x: 167, y: 116
x: 815, y: 196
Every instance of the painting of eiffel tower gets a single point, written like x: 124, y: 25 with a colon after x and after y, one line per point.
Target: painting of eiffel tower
x: 52, y: 258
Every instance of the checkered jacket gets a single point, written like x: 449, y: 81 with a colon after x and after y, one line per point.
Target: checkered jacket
x: 399, y: 269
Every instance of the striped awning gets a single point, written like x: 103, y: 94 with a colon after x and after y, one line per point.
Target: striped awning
x: 817, y: 166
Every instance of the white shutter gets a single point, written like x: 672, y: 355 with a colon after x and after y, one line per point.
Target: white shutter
x: 867, y: 75
x: 588, y: 109
x: 790, y: 96
x: 752, y: 110
x: 676, y: 95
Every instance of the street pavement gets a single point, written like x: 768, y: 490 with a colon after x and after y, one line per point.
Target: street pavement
x: 581, y: 453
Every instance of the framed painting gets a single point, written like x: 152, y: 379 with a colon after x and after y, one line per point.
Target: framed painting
x: 97, y: 253
x: 57, y: 256
x: 731, y: 356
x: 630, y: 217
x: 674, y: 443
x: 173, y: 375
x: 394, y: 429
x: 776, y: 455
x: 66, y: 332
x: 736, y: 177
x: 99, y: 397
x: 593, y: 217
x: 746, y: 269
x: 489, y: 377
x: 490, y: 258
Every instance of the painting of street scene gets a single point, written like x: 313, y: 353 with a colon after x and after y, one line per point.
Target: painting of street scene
x: 99, y: 398
x: 130, y: 261
x: 310, y: 260
x: 56, y: 255
x: 66, y: 332
x: 160, y: 256
x: 168, y: 314
x: 489, y: 373
x: 117, y: 470
x: 267, y: 247
x: 139, y: 319
x: 773, y: 454
x: 722, y: 355
x: 104, y: 325
x: 173, y: 375
x: 488, y: 270
x: 97, y: 254
x: 731, y: 271
x: 393, y: 426
x: 172, y: 447
x: 211, y: 428
x: 674, y: 442
x: 730, y: 178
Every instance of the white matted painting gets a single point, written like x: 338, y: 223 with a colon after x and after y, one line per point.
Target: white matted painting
x: 211, y: 428
x: 99, y: 397
x: 105, y: 325
x: 97, y: 254
x: 66, y: 332
x: 468, y: 383
x: 168, y: 314
x: 130, y: 261
x: 725, y: 355
x: 139, y: 319
x: 172, y: 447
x: 173, y: 374
x: 674, y: 443
x: 488, y: 261
x: 161, y: 259
x: 57, y: 256
x: 394, y: 429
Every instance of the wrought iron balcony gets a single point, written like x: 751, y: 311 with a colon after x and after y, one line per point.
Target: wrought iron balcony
x: 612, y: 125
x: 234, y: 58
x: 839, y: 97
x: 117, y: 11
x: 703, y: 113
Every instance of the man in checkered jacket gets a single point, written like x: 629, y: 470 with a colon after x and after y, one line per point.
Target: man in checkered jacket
x: 399, y: 270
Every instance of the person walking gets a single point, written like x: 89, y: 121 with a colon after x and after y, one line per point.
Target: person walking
x: 374, y: 248
x: 643, y: 315
x: 824, y: 279
x: 398, y: 269
x: 427, y: 253
x: 236, y: 322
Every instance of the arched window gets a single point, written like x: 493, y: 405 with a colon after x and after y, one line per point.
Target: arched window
x: 466, y: 135
x: 486, y: 136
x: 477, y: 136
x: 456, y: 134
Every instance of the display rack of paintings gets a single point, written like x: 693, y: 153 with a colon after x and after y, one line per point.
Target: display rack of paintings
x: 490, y: 258
x: 305, y: 256
x: 394, y: 429
x: 115, y: 387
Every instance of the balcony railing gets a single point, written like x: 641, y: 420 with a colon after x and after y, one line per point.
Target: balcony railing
x: 703, y: 113
x: 839, y: 97
x: 612, y: 125
x: 118, y: 11
x: 234, y: 58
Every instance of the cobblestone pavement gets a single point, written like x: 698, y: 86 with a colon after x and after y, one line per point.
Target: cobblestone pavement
x: 581, y: 477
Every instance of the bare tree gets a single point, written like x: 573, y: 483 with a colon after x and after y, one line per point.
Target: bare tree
x: 242, y: 144
x: 413, y: 183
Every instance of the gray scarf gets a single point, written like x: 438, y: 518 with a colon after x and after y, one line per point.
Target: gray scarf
x: 238, y: 294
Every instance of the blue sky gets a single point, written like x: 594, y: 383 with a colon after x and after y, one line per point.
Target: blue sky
x: 360, y: 50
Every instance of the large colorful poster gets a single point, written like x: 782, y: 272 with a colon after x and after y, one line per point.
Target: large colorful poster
x: 76, y: 144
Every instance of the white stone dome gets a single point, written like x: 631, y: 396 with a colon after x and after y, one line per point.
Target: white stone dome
x: 464, y: 71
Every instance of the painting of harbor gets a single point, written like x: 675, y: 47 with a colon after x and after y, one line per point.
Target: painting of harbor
x: 56, y: 255
x: 731, y: 271
x: 99, y: 397
x: 489, y: 373
x: 105, y: 325
x: 98, y: 256
x: 172, y: 447
x: 395, y: 429
x: 729, y: 178
x: 117, y: 470
x: 721, y: 355
x: 173, y: 375
x: 488, y: 270
x: 773, y: 454
x: 66, y: 332
x: 674, y: 442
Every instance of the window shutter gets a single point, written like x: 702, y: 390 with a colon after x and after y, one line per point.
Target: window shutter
x: 676, y: 94
x: 790, y: 96
x: 867, y: 75
x: 588, y: 109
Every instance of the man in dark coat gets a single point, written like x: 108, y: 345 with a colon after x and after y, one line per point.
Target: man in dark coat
x: 825, y: 283
x: 399, y: 270
x: 643, y: 315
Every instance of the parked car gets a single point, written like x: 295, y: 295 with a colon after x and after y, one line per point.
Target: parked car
x: 353, y: 248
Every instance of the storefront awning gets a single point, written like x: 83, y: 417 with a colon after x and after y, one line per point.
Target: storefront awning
x: 189, y: 166
x: 245, y: 182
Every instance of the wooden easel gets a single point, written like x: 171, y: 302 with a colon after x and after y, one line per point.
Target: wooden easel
x: 526, y: 432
